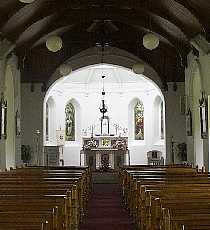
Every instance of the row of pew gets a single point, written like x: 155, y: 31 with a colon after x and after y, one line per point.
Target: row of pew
x: 44, y: 198
x: 171, y: 197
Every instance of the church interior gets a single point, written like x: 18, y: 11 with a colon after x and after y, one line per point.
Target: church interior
x: 104, y: 114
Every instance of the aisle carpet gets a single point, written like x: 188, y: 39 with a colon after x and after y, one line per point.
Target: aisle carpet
x: 105, y: 210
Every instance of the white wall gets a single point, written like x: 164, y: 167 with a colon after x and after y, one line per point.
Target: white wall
x: 32, y: 118
x: 175, y: 121
x: 9, y: 97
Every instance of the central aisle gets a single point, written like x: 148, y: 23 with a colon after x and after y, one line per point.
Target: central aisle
x: 105, y: 210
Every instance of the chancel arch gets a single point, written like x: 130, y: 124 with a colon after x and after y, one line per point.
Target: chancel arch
x: 128, y: 99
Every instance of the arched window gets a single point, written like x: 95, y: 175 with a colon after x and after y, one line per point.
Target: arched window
x: 139, y: 120
x: 47, y: 122
x: 70, y: 122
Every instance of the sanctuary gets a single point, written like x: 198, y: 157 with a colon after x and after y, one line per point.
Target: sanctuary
x: 98, y: 106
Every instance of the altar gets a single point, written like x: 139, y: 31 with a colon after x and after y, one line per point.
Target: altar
x: 105, y: 152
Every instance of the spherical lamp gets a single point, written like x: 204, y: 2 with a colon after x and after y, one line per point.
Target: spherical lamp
x: 138, y: 68
x: 65, y: 69
x: 54, y: 43
x: 150, y: 41
x: 26, y: 1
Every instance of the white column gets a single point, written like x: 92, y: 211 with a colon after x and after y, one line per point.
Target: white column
x: 5, y: 48
x: 13, y: 62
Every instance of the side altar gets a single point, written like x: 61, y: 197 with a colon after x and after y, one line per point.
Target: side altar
x: 105, y: 152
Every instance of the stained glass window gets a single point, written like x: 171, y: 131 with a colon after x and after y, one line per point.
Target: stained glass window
x: 139, y: 120
x: 70, y: 122
x: 161, y: 121
x: 47, y: 122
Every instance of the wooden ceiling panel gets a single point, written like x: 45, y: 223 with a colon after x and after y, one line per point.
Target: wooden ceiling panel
x: 170, y: 28
x: 33, y: 31
x: 175, y: 22
x: 182, y: 15
x: 8, y: 9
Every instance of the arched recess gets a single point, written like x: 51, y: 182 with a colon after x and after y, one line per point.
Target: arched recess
x: 50, y: 118
x: 10, y: 130
x: 158, y: 120
x: 198, y: 142
x: 72, y: 147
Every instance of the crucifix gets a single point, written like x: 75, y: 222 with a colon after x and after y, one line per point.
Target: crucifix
x: 104, y: 119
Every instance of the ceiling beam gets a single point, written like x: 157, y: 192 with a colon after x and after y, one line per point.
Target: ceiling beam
x: 198, y: 16
x: 8, y: 11
x: 46, y: 10
x: 123, y: 16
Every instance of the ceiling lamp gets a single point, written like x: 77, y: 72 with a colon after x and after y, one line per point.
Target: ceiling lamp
x: 65, y: 69
x: 54, y: 43
x: 138, y: 68
x: 150, y: 41
x: 26, y: 1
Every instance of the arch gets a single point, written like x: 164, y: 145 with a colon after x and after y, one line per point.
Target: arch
x: 10, y: 128
x: 73, y: 89
x: 113, y: 56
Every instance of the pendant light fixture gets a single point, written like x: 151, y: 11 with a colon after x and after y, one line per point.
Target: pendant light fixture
x: 150, y: 41
x: 54, y: 43
x: 138, y: 68
x: 65, y: 69
x: 26, y: 1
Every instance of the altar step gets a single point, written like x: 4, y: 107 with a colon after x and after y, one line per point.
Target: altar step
x: 105, y: 177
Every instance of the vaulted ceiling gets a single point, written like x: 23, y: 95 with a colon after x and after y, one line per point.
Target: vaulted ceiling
x: 120, y: 23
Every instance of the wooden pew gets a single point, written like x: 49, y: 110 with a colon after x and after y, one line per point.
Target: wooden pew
x: 153, y: 189
x: 64, y: 189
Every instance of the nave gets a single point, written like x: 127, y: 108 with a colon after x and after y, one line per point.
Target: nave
x: 138, y: 197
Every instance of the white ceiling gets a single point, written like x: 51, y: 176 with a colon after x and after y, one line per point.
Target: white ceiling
x: 116, y: 78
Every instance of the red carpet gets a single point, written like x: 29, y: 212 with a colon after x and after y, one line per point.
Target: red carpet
x: 105, y: 210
